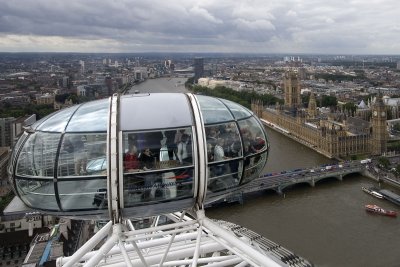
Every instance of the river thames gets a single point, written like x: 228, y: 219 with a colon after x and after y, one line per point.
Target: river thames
x: 326, y: 224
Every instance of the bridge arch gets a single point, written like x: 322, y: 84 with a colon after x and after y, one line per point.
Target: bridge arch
x: 312, y: 180
x: 281, y: 187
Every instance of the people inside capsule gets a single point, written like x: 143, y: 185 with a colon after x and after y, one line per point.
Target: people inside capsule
x: 80, y: 155
x: 170, y: 143
x: 131, y: 159
x: 75, y: 147
x: 223, y: 153
x: 146, y: 159
x: 184, y: 151
x: 152, y: 141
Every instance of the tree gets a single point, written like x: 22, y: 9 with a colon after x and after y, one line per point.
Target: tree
x: 383, y: 162
x: 62, y: 97
x: 350, y: 106
x: 396, y: 127
x: 328, y: 101
x: 305, y: 99
x: 243, y: 98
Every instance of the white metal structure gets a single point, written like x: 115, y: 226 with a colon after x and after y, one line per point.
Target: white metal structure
x: 182, y: 242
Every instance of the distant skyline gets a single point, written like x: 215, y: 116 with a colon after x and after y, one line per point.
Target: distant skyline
x: 221, y: 26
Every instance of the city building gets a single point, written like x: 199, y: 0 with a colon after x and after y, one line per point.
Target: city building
x: 30, y: 238
x: 379, y: 128
x: 11, y: 129
x: 82, y: 64
x: 7, y: 132
x: 67, y: 103
x: 140, y: 73
x: 4, y: 186
x: 46, y: 99
x: 336, y: 135
x: 291, y: 92
x: 65, y: 81
x: 198, y: 68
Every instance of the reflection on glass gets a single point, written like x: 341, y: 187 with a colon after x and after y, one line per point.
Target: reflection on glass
x: 223, y: 150
x: 38, y: 194
x: 239, y: 112
x: 223, y: 176
x: 253, y: 166
x: 254, y: 139
x: 82, y: 120
x: 14, y: 154
x: 78, y: 195
x: 145, y: 187
x: 38, y: 155
x: 55, y: 122
x: 213, y: 110
x: 223, y: 142
x: 83, y: 155
x: 154, y: 111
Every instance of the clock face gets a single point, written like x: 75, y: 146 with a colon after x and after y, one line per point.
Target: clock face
x: 375, y: 113
x: 383, y: 114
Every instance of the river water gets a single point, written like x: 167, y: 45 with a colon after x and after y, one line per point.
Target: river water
x: 326, y: 224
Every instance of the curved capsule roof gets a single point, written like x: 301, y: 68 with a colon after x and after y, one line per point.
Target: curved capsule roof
x: 137, y: 155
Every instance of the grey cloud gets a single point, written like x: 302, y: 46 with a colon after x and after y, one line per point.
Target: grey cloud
x: 209, y: 24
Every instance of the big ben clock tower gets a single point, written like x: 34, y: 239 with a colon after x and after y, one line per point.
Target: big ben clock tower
x: 379, y: 129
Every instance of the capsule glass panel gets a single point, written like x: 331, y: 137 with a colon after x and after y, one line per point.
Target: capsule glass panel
x: 83, y: 155
x: 238, y: 111
x: 253, y: 166
x: 213, y: 110
x: 224, y: 150
x: 55, y: 122
x: 158, y: 166
x: 155, y: 111
x: 90, y: 117
x: 37, y: 193
x: 83, y: 194
x: 255, y: 147
x: 14, y: 153
x: 38, y: 155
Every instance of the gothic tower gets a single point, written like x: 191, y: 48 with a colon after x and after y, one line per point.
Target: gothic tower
x: 312, y: 106
x: 292, y: 91
x: 379, y: 129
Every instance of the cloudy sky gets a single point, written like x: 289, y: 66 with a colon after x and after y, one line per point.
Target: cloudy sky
x: 253, y: 26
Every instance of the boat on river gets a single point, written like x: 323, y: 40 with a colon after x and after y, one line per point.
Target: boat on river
x: 379, y: 210
x: 372, y: 192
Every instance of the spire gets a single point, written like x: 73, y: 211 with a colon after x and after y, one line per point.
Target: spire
x: 379, y: 100
x: 312, y: 106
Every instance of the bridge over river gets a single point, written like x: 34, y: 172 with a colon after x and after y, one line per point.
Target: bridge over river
x: 279, y: 181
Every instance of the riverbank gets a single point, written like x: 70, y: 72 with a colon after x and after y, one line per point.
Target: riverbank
x: 289, y: 135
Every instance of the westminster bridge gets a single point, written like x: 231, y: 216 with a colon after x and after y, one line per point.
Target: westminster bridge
x: 281, y: 180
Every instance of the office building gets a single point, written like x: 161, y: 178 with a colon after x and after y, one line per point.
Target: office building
x: 198, y: 69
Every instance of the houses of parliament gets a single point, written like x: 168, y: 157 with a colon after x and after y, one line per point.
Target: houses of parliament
x: 335, y: 135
